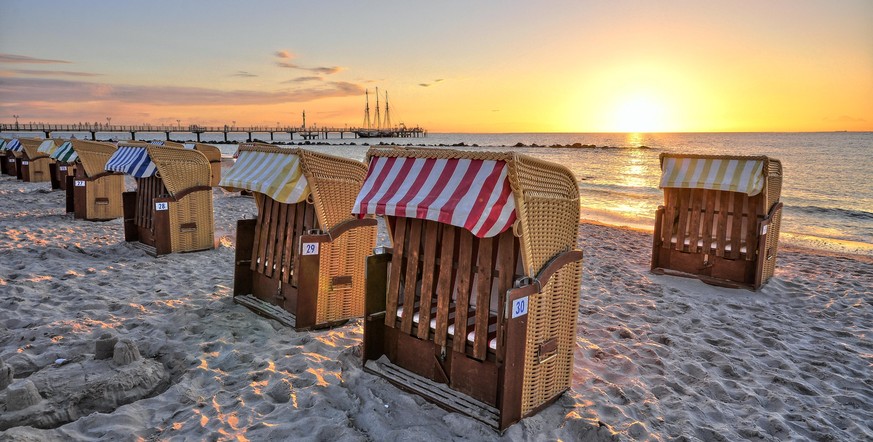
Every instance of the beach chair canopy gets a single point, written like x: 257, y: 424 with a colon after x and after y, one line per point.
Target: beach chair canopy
x: 65, y: 153
x: 49, y: 146
x: 730, y: 173
x: 92, y: 155
x: 471, y: 193
x: 3, y: 143
x: 14, y: 145
x: 294, y: 175
x: 483, y: 192
x: 178, y: 168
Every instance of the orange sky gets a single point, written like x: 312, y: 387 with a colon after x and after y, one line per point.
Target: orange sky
x: 509, y: 66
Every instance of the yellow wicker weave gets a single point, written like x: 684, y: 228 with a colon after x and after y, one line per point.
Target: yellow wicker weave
x: 213, y: 154
x: 93, y: 155
x: 27, y: 144
x: 180, y: 169
x: 192, y: 209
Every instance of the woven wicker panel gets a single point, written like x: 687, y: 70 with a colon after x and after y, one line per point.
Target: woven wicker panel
x: 769, y: 265
x: 180, y: 169
x: 552, y: 314
x: 196, y: 207
x: 213, y: 154
x: 344, y: 256
x: 773, y: 185
x: 109, y: 187
x: 335, y: 182
x: 93, y: 155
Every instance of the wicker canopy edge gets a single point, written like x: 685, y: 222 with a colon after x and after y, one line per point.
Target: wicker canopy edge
x: 180, y: 169
x: 93, y: 155
x: 212, y: 153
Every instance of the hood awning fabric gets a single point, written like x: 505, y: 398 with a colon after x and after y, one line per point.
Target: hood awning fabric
x: 468, y: 193
x: 132, y: 160
x: 744, y: 175
x: 277, y: 175
x: 65, y: 153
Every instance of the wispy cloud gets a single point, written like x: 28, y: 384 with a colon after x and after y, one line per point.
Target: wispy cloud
x: 55, y: 73
x: 438, y: 80
x: 12, y: 58
x: 284, y: 54
x: 303, y: 79
x: 39, y: 89
x: 321, y: 70
x: 243, y: 74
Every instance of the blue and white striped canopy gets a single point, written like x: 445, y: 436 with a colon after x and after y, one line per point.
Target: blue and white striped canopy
x: 132, y: 160
x: 2, y: 145
x: 14, y: 146
x: 65, y: 153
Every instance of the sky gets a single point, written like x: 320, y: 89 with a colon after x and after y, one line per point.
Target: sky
x: 449, y: 66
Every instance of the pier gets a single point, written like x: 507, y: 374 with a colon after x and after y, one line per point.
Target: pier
x: 305, y: 133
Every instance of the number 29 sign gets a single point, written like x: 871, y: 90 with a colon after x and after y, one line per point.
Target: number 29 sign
x: 310, y: 248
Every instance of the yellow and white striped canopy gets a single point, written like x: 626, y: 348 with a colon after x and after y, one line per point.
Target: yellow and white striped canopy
x: 277, y: 175
x: 738, y: 174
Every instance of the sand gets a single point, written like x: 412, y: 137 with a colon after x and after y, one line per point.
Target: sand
x: 657, y: 357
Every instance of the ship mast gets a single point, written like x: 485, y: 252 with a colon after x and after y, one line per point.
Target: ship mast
x: 387, y: 115
x: 378, y: 118
x: 367, y: 110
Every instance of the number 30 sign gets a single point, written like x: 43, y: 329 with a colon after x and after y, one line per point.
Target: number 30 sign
x: 519, y: 307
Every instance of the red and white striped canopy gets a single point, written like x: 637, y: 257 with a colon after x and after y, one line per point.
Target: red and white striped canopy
x: 468, y: 193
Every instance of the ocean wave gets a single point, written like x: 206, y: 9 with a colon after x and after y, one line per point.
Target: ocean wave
x: 835, y: 212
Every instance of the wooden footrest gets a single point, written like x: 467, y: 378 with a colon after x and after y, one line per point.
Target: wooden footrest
x: 436, y: 392
x: 266, y: 309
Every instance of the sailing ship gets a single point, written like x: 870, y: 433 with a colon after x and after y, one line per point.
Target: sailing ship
x: 380, y: 128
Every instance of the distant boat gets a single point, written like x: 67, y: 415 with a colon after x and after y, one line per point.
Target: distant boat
x: 382, y: 127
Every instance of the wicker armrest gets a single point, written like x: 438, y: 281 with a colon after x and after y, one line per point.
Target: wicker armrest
x: 345, y: 226
x: 535, y: 285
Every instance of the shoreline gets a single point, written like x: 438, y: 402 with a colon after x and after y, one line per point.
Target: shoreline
x: 656, y: 357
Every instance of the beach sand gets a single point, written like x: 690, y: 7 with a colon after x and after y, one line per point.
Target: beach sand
x: 657, y: 357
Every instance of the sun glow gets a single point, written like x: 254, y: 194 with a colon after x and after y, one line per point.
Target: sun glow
x: 638, y: 114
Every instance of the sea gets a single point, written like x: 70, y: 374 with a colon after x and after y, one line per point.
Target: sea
x: 827, y: 188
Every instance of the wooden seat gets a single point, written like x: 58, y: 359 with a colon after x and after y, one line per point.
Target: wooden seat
x: 714, y: 230
x: 473, y: 307
x: 301, y: 261
x: 93, y: 193
x: 171, y: 210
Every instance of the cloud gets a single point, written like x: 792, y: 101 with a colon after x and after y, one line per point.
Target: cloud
x: 60, y: 73
x: 12, y: 58
x: 284, y: 54
x: 41, y: 89
x: 303, y: 79
x: 326, y: 70
x: 243, y: 74
x: 438, y: 80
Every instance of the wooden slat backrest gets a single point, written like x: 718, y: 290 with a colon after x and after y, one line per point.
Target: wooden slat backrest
x: 711, y: 221
x: 147, y: 190
x: 274, y: 249
x: 463, y: 279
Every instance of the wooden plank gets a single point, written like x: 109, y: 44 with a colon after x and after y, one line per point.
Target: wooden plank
x: 708, y: 217
x: 752, y: 227
x: 483, y: 297
x: 721, y: 231
x: 272, y: 233
x: 428, y: 271
x: 507, y: 253
x: 396, y: 267
x: 412, y: 253
x: 242, y: 273
x: 299, y: 226
x: 668, y: 228
x: 445, y: 284
x: 682, y: 228
x: 694, y: 229
x: 256, y: 240
x: 737, y: 225
x: 266, y: 222
x: 464, y: 280
x: 279, y: 249
x: 290, y: 242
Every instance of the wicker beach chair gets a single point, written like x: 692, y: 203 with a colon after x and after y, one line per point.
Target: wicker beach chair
x: 475, y: 305
x: 720, y: 219
x: 213, y: 154
x: 63, y: 166
x: 93, y: 193
x: 34, y: 164
x: 171, y: 210
x: 45, y: 150
x: 302, y: 260
x: 18, y: 164
x: 4, y: 155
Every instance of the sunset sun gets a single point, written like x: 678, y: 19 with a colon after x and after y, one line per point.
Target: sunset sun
x: 638, y: 114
